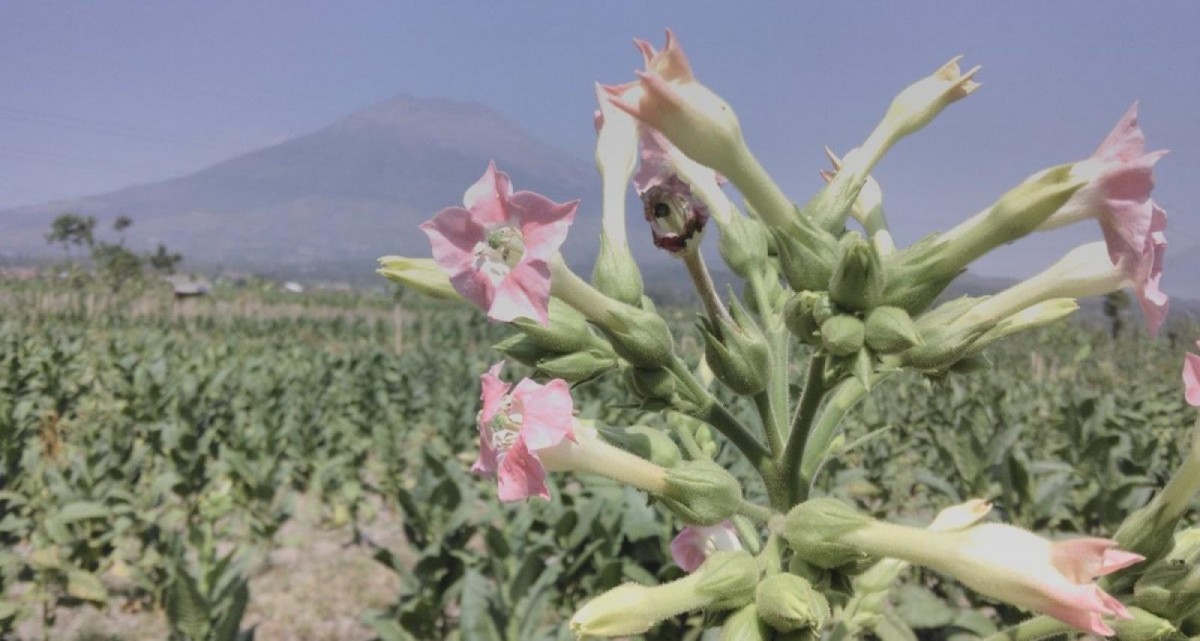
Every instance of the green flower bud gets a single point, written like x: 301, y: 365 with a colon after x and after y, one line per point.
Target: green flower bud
x: 523, y: 349
x: 807, y: 254
x: 727, y: 578
x: 650, y: 384
x: 639, y: 336
x: 420, y: 274
x: 740, y: 357
x: 1145, y: 626
x: 814, y: 528
x: 616, y: 274
x: 566, y: 332
x: 944, y: 342
x: 890, y: 330
x: 651, y: 444
x: 744, y: 625
x: 863, y: 367
x: 798, y: 316
x: 1147, y: 532
x: 913, y: 278
x: 787, y: 602
x: 971, y: 364
x: 578, y: 367
x: 1170, y: 587
x: 857, y: 281
x: 842, y: 335
x: 743, y: 244
x: 701, y: 492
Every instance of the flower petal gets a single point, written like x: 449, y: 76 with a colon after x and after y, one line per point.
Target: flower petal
x: 524, y: 293
x: 543, y: 223
x: 547, y: 413
x: 488, y: 197
x: 521, y: 475
x: 1191, y: 379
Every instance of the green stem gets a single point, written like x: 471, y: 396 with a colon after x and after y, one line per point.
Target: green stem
x: 759, y: 513
x: 688, y: 440
x: 810, y: 400
x: 772, y: 555
x: 703, y: 282
x: 762, y: 401
x: 1039, y: 627
x: 777, y: 341
x: 845, y: 397
x: 764, y: 196
x: 716, y: 414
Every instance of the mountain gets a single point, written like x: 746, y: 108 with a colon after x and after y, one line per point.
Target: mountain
x: 336, y: 198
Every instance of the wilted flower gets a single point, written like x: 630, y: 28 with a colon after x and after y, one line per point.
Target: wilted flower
x: 695, y: 543
x: 497, y: 249
x: 514, y: 426
x: 672, y: 205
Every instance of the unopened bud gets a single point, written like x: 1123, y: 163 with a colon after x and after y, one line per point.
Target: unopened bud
x: 523, y: 349
x: 639, y: 336
x: 919, y: 103
x: 727, y: 578
x: 651, y: 444
x: 1144, y: 626
x: 578, y: 367
x: 815, y: 528
x: 616, y: 274
x: 420, y: 274
x: 787, y: 602
x: 890, y: 330
x: 807, y: 254
x: 566, y: 331
x: 701, y: 492
x: 842, y: 335
x: 857, y: 282
x: 743, y: 245
x: 737, y: 352
x: 650, y: 383
x: 798, y: 315
x: 744, y: 625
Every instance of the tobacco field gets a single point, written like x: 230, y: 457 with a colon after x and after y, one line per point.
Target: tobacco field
x: 168, y: 450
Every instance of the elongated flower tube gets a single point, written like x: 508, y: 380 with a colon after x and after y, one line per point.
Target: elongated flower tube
x: 668, y: 98
x: 1013, y: 565
x: 1084, y: 271
x: 695, y: 543
x: 615, y: 273
x: 421, y: 274
x: 911, y: 109
x: 530, y: 429
x: 497, y: 247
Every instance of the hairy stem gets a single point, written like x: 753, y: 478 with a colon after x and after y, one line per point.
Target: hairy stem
x: 703, y: 282
x: 810, y: 400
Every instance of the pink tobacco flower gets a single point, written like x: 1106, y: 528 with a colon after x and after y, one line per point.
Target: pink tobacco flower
x: 515, y: 425
x: 693, y: 545
x: 1191, y: 378
x: 497, y: 247
x: 668, y: 98
x: 1146, y: 273
x: 1022, y: 568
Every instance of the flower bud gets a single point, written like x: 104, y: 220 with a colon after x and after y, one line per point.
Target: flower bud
x: 740, y: 357
x: 639, y: 336
x: 944, y: 342
x: 616, y: 274
x: 890, y: 330
x: 420, y: 274
x: 650, y: 383
x: 1144, y: 626
x: 799, y: 312
x: 807, y: 254
x: 744, y: 625
x: 651, y: 444
x: 523, y: 349
x: 743, y: 245
x: 701, y: 492
x: 814, y: 528
x: 857, y: 280
x: 578, y: 367
x: 842, y: 335
x: 727, y: 578
x: 920, y: 102
x: 787, y: 602
x: 566, y: 331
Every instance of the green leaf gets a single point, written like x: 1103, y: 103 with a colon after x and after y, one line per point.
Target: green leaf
x: 187, y: 609
x: 85, y: 586
x: 475, y: 617
x: 920, y: 608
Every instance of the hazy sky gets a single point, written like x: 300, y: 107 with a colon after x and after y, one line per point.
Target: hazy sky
x: 100, y: 95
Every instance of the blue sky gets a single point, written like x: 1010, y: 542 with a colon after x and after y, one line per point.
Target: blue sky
x: 98, y: 96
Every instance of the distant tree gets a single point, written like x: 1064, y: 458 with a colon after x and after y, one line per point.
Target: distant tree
x: 1115, y: 305
x: 120, y: 225
x: 163, y: 261
x: 117, y: 265
x: 72, y: 229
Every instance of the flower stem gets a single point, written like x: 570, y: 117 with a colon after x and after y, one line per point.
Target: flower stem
x: 810, y: 400
x: 762, y: 401
x: 703, y: 282
x: 716, y: 414
x: 759, y: 513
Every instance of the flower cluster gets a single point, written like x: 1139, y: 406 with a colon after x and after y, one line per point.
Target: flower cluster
x: 859, y: 307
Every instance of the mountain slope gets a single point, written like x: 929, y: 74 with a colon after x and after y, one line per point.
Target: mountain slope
x: 343, y: 195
